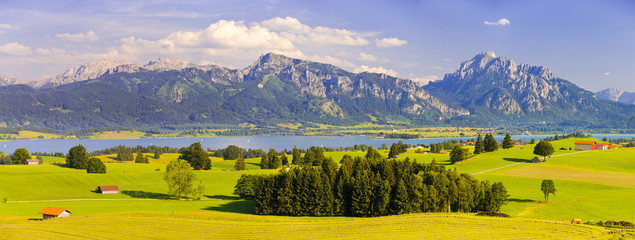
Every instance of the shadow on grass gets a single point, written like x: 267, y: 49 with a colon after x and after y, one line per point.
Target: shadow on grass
x: 516, y: 159
x: 255, y: 164
x: 518, y: 200
x: 222, y: 197
x: 35, y: 219
x: 144, y: 194
x: 239, y: 206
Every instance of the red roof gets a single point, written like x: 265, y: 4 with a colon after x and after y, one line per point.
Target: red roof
x: 109, y: 188
x: 32, y: 160
x: 585, y: 142
x: 53, y: 211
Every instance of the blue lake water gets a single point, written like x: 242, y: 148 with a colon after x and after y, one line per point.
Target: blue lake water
x: 255, y: 142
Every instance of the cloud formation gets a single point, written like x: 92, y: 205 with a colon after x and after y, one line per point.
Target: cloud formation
x: 390, y: 42
x: 89, y: 36
x: 366, y: 57
x: 607, y: 74
x: 8, y: 27
x: 425, y: 80
x: 364, y: 68
x: 500, y: 22
x: 15, y: 49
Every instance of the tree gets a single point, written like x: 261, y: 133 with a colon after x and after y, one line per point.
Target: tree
x: 179, y: 177
x: 498, y: 197
x: 543, y: 148
x: 141, y: 158
x: 297, y: 158
x: 77, y: 157
x: 394, y: 151
x: 264, y: 162
x: 231, y: 152
x: 384, y: 146
x: 372, y: 154
x: 157, y: 153
x: 478, y: 146
x: 507, y: 142
x: 547, y: 187
x: 459, y: 154
x: 240, y: 164
x: 95, y: 165
x: 196, y: 157
x: 20, y: 156
x: 490, y: 143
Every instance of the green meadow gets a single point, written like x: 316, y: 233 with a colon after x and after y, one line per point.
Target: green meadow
x: 591, y: 185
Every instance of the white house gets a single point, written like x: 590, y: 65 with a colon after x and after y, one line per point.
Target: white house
x: 53, y: 212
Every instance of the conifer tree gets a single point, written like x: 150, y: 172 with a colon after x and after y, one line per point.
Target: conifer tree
x: 240, y: 164
x: 507, y: 142
x: 264, y: 162
x: 296, y: 156
x: 394, y: 151
x: 490, y: 143
x: 479, y: 146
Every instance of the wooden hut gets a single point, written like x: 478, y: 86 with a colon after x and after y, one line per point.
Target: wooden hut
x: 108, y: 189
x: 53, y: 212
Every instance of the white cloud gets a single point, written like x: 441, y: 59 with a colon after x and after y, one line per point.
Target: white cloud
x: 299, y: 33
x: 500, y: 22
x: 15, y: 49
x: 607, y: 74
x: 364, y: 68
x: 425, y: 80
x: 8, y: 27
x: 366, y: 57
x: 89, y: 36
x: 390, y: 42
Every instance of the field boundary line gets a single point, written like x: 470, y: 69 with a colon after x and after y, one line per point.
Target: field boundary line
x: 514, y: 164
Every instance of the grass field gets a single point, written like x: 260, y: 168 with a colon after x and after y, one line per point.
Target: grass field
x: 592, y: 185
x: 220, y: 225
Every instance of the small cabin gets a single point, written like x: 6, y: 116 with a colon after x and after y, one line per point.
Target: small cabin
x: 585, y: 145
x: 53, y: 212
x: 534, y: 160
x: 32, y: 161
x: 108, y: 189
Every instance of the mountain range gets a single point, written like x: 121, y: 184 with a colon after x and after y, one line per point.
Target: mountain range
x: 617, y: 95
x: 484, y: 91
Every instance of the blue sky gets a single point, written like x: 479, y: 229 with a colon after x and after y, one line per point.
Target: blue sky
x: 591, y: 43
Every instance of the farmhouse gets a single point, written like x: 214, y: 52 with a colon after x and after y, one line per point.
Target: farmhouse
x: 53, y: 212
x: 32, y: 161
x: 585, y: 145
x: 107, y: 189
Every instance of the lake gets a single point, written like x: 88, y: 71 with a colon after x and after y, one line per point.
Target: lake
x: 255, y: 142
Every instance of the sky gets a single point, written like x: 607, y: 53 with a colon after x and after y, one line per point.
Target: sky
x: 590, y: 43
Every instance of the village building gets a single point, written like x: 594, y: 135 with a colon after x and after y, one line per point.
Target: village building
x: 602, y: 146
x: 32, y: 161
x: 108, y: 189
x: 53, y: 212
x: 535, y: 160
x: 585, y: 145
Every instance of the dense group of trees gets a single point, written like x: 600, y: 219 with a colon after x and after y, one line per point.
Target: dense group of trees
x: 126, y: 152
x: 459, y: 154
x: 232, y: 152
x: 396, y: 149
x: 272, y: 160
x: 370, y: 187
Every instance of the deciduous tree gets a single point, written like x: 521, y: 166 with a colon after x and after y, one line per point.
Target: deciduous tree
x: 95, y: 165
x: 77, y: 157
x: 20, y: 156
x: 544, y: 149
x: 547, y: 187
x: 196, y: 157
x: 179, y: 177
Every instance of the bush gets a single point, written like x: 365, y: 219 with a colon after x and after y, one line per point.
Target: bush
x: 493, y: 214
x: 95, y: 166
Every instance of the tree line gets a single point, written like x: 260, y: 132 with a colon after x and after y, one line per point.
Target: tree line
x: 370, y: 186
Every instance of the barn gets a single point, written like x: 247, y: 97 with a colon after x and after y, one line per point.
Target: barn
x: 32, y: 161
x: 53, y: 212
x: 585, y: 145
x: 534, y: 160
x: 107, y: 189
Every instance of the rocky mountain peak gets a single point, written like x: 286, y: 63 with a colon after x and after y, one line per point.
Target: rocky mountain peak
x: 617, y: 95
x: 9, y: 80
x: 167, y: 64
x: 90, y: 70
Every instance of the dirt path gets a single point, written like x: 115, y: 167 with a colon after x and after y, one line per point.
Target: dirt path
x: 514, y: 164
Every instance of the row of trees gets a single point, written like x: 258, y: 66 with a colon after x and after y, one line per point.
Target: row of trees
x: 370, y: 187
